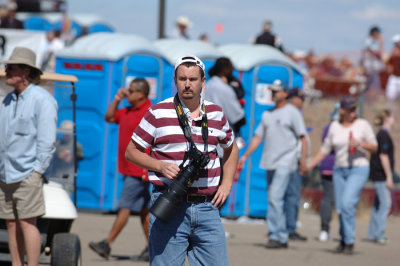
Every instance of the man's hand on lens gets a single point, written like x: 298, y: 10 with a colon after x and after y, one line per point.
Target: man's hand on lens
x: 169, y: 170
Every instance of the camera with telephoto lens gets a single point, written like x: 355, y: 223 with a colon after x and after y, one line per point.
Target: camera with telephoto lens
x: 167, y: 203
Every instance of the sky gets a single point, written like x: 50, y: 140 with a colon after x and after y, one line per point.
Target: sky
x: 324, y: 26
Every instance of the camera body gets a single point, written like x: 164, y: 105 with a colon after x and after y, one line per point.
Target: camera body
x: 167, y: 203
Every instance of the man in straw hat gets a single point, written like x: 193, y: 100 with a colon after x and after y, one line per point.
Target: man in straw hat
x: 182, y: 23
x: 28, y: 117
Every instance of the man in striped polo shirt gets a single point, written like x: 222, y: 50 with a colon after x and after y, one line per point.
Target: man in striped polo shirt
x: 195, y: 228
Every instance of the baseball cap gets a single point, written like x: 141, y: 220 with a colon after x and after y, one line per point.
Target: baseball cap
x: 190, y: 59
x: 296, y: 92
x: 348, y: 102
x: 278, y: 85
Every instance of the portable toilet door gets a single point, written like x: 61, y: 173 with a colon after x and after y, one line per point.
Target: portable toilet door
x: 257, y: 66
x: 103, y: 62
x: 172, y: 49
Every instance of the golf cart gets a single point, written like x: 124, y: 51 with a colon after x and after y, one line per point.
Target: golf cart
x: 59, y: 246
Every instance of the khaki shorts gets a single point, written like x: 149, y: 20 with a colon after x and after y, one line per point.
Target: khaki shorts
x: 22, y: 200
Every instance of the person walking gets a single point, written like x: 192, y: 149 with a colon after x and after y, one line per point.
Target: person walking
x: 371, y: 60
x: 281, y: 129
x: 293, y: 191
x: 183, y: 133
x: 219, y: 91
x: 351, y: 138
x: 326, y: 170
x: 135, y: 195
x: 28, y: 118
x: 381, y: 174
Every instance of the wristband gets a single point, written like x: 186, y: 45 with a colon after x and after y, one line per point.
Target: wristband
x: 117, y: 97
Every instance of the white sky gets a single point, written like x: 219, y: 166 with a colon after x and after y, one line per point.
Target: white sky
x: 325, y: 26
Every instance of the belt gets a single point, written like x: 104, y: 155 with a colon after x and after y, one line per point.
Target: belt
x: 198, y: 198
x: 192, y: 198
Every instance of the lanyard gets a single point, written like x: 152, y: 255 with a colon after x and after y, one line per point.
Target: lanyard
x: 184, y: 123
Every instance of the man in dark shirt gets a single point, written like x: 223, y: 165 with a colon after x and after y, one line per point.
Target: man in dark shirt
x: 381, y: 173
x: 10, y: 21
x: 268, y: 38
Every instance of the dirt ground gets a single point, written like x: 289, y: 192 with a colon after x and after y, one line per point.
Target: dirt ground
x: 246, y: 243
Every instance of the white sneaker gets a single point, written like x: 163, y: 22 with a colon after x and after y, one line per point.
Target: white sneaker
x: 323, y: 236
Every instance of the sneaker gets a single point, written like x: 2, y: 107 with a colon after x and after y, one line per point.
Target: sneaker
x: 348, y: 249
x: 144, y: 256
x: 273, y: 244
x: 382, y: 241
x: 228, y: 235
x: 102, y: 248
x: 297, y: 237
x: 340, y: 248
x: 324, y: 236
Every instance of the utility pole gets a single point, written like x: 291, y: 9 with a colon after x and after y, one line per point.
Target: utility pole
x: 161, y: 33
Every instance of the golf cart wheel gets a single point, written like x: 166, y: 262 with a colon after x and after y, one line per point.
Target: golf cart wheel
x: 66, y: 250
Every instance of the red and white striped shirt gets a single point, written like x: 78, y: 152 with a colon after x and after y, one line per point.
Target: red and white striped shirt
x: 160, y: 130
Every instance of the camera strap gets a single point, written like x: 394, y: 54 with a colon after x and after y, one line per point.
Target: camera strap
x: 184, y: 123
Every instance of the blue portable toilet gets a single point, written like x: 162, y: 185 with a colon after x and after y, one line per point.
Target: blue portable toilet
x: 104, y: 62
x: 172, y: 49
x: 37, y: 23
x: 257, y: 66
x: 53, y: 21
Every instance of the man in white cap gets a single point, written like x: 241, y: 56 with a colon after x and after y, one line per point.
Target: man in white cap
x: 28, y: 118
x: 281, y: 129
x: 182, y: 133
x: 182, y: 23
x: 393, y: 67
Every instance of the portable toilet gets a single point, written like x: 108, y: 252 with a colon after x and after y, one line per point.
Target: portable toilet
x: 92, y: 22
x: 54, y: 21
x: 104, y: 62
x: 172, y: 49
x: 256, y: 66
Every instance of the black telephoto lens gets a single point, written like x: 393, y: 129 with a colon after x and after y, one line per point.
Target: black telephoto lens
x: 167, y: 203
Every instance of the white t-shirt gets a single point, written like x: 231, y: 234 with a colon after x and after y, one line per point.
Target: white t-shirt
x: 338, y: 140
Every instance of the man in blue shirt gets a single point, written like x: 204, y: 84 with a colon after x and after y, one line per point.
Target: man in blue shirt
x: 28, y: 118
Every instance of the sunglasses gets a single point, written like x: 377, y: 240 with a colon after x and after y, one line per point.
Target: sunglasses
x: 133, y: 91
x: 13, y: 66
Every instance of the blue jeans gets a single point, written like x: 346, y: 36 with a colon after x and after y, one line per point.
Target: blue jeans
x: 348, y: 184
x: 194, y: 230
x: 380, y: 211
x: 292, y: 201
x: 277, y: 181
